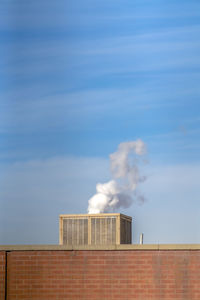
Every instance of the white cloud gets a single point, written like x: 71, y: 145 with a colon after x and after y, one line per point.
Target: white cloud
x: 34, y: 193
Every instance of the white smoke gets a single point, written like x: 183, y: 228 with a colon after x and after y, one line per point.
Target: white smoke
x: 121, y: 191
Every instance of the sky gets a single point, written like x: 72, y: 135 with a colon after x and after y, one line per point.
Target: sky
x: 76, y: 79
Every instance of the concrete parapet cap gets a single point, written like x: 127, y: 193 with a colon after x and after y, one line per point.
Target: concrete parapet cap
x: 133, y: 247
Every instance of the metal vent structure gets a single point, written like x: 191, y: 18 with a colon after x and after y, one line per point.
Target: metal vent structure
x: 95, y: 229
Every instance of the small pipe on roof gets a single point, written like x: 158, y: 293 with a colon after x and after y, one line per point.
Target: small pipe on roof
x: 141, y: 238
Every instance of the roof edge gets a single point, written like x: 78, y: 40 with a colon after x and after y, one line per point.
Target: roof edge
x: 133, y: 247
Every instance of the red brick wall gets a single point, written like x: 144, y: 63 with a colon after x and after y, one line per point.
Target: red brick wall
x: 2, y: 275
x: 141, y: 274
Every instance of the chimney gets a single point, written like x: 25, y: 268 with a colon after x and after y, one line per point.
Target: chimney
x: 95, y: 229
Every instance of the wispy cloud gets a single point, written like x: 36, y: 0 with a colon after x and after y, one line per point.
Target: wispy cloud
x: 74, y: 110
x: 87, y: 13
x: 42, y: 189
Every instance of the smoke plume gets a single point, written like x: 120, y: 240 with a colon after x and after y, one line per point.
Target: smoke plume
x: 121, y: 191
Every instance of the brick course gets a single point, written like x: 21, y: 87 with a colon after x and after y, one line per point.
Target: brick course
x: 97, y: 275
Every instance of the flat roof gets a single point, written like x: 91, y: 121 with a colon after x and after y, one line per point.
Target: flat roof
x: 94, y: 215
x: 127, y: 247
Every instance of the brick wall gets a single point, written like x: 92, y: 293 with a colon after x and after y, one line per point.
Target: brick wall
x: 2, y: 275
x: 113, y: 274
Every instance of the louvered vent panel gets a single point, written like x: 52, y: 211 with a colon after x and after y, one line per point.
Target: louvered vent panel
x: 75, y: 231
x: 125, y: 233
x: 103, y: 231
x: 95, y: 229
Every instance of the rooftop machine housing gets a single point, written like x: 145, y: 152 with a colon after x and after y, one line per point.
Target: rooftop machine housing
x: 95, y: 229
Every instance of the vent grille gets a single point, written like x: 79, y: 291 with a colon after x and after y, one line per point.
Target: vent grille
x: 95, y: 229
x: 103, y: 231
x: 75, y: 231
x: 125, y: 234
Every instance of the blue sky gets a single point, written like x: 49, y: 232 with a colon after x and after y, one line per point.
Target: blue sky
x: 76, y: 79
